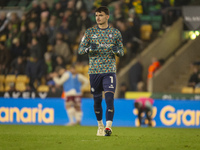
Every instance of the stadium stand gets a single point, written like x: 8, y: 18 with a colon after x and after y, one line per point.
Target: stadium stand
x: 45, y: 20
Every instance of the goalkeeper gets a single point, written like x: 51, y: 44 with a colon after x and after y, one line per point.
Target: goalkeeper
x: 102, y: 43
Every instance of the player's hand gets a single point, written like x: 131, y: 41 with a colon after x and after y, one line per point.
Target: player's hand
x: 114, y: 50
x: 93, y: 46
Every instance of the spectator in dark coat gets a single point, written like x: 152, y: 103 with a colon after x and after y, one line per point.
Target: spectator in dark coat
x: 42, y: 37
x: 3, y: 23
x: 35, y: 65
x: 57, y: 10
x: 17, y: 49
x: 5, y: 58
x: 85, y: 21
x: 18, y: 66
x: 135, y: 75
x: 194, y: 77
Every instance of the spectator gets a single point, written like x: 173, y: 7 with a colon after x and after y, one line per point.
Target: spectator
x: 58, y: 10
x: 135, y: 75
x: 194, y: 77
x: 85, y: 21
x: 127, y: 35
x: 51, y: 31
x: 123, y: 89
x: 23, y: 36
x: 62, y: 49
x: 34, y: 18
x: 89, y: 4
x: 35, y: 65
x: 153, y: 67
x: 18, y: 66
x: 23, y: 21
x: 64, y: 30
x: 35, y: 50
x: 49, y: 66
x: 17, y: 49
x: 134, y: 22
x: 60, y: 62
x: 44, y: 7
x: 32, y: 30
x: 14, y: 20
x: 140, y: 86
x: 44, y: 17
x: 3, y: 23
x: 120, y: 11
x: 5, y: 58
x: 35, y: 8
x: 42, y: 37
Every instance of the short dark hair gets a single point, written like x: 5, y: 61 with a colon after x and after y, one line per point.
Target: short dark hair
x: 103, y: 9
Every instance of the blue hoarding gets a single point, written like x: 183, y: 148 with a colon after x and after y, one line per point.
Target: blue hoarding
x: 51, y: 111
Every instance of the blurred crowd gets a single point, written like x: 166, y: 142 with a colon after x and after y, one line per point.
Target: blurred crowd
x: 44, y: 36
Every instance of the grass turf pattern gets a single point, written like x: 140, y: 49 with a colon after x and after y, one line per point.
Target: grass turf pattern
x: 28, y: 137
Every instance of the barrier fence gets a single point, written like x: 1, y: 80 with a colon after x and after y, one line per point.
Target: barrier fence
x: 51, y: 111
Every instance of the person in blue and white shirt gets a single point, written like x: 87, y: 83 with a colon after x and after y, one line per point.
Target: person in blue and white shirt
x: 72, y: 83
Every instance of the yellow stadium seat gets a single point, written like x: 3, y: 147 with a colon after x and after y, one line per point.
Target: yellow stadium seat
x: 197, y: 90
x: 22, y: 79
x: 9, y: 82
x: 10, y: 79
x: 1, y: 88
x: 43, y: 88
x: 79, y: 68
x: 3, y: 38
x: 68, y: 67
x: 20, y: 86
x: 146, y: 31
x: 49, y: 48
x: 188, y: 90
x: 7, y: 88
x: 74, y: 59
x: 2, y: 79
x: 85, y: 69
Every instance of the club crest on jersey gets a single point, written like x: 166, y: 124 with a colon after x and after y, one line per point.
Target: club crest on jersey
x: 110, y: 36
x: 95, y: 36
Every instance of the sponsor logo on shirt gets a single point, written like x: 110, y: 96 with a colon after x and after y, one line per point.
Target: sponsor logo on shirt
x: 95, y: 36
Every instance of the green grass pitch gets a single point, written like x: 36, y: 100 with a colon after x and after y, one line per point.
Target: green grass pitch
x: 28, y: 137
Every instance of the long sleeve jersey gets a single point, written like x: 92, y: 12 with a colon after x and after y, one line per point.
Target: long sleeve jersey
x: 101, y: 60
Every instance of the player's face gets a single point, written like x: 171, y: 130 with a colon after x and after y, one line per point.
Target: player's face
x: 101, y: 18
